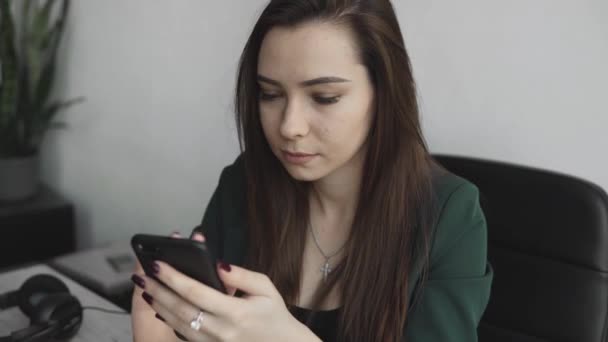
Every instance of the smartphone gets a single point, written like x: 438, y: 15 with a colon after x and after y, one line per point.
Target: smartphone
x: 190, y: 257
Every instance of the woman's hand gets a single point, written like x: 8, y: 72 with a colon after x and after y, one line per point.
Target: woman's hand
x: 260, y: 315
x: 144, y: 324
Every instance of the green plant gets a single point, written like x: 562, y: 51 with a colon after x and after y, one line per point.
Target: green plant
x: 27, y: 73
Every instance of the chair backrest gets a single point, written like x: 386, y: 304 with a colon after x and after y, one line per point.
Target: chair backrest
x: 548, y: 245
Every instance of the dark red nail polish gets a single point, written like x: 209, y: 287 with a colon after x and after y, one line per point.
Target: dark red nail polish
x: 155, y: 267
x: 146, y: 296
x: 226, y: 267
x: 139, y: 281
x: 160, y: 317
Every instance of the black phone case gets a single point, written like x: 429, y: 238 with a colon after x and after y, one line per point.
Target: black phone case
x: 190, y: 257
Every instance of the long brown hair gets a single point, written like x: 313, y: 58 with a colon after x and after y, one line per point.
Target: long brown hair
x: 394, y: 211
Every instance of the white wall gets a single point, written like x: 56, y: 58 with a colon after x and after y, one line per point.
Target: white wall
x: 520, y: 81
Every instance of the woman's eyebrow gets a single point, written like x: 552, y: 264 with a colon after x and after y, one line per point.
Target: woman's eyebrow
x: 319, y: 80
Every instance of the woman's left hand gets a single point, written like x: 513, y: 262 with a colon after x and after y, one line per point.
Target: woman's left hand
x: 260, y: 315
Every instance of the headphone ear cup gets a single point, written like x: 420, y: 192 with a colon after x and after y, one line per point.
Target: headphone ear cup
x: 62, y: 310
x: 36, y: 288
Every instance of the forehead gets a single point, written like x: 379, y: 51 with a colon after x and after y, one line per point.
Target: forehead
x: 307, y: 51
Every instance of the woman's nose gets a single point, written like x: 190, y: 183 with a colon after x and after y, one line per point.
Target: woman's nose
x: 294, y: 123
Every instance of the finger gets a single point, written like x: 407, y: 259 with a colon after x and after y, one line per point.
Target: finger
x: 198, y: 237
x: 199, y: 294
x: 230, y: 290
x: 205, y: 332
x: 138, y: 269
x: 177, y: 312
x: 252, y: 283
x: 137, y: 302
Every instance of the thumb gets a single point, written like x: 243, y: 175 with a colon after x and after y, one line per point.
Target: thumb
x: 250, y: 282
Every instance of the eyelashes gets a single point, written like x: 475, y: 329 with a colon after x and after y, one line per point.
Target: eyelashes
x: 326, y: 100
x: 322, y: 100
x: 266, y: 97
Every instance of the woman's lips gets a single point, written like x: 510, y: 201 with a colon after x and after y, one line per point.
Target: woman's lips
x: 298, y: 158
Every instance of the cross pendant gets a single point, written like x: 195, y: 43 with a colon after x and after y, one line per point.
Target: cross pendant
x: 326, y: 269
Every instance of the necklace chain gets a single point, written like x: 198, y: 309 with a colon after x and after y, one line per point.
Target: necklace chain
x: 326, y: 269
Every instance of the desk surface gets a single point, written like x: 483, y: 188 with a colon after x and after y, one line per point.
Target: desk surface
x: 96, y: 326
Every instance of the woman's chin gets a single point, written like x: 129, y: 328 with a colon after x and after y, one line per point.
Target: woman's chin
x: 302, y: 174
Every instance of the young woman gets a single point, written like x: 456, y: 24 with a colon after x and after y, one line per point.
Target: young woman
x: 335, y: 223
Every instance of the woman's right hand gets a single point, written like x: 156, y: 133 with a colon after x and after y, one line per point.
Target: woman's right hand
x: 146, y: 324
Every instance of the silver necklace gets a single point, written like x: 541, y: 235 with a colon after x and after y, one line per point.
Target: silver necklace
x: 326, y: 269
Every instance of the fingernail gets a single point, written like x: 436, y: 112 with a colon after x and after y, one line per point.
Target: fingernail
x: 226, y: 267
x: 137, y: 280
x: 160, y: 317
x: 146, y: 296
x: 181, y: 337
x: 155, y: 267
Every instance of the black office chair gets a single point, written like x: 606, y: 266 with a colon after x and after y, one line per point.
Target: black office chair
x: 548, y: 245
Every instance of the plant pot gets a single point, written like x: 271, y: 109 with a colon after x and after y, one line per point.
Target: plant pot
x: 18, y: 178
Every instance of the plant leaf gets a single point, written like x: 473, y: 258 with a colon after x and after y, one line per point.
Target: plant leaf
x: 40, y: 25
x: 45, y: 119
x: 51, y: 45
x: 27, y: 73
x: 8, y: 63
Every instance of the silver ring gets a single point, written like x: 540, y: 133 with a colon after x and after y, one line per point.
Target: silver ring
x: 197, y: 321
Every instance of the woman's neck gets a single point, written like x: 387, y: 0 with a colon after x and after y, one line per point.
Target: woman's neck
x: 332, y: 202
x: 336, y: 195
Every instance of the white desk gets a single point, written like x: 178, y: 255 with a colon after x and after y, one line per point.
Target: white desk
x: 96, y: 326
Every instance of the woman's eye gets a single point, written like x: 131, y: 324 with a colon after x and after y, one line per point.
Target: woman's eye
x: 268, y: 96
x: 326, y: 100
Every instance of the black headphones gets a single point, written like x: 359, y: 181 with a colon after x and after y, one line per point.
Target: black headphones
x: 55, y: 314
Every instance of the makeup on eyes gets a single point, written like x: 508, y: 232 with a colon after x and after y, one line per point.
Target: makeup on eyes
x: 320, y: 99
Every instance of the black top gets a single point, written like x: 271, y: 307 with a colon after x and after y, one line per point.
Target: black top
x: 324, y: 323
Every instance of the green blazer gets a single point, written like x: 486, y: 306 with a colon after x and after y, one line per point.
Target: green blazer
x: 457, y: 290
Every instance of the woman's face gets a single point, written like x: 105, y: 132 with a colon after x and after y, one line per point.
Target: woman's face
x: 316, y: 99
